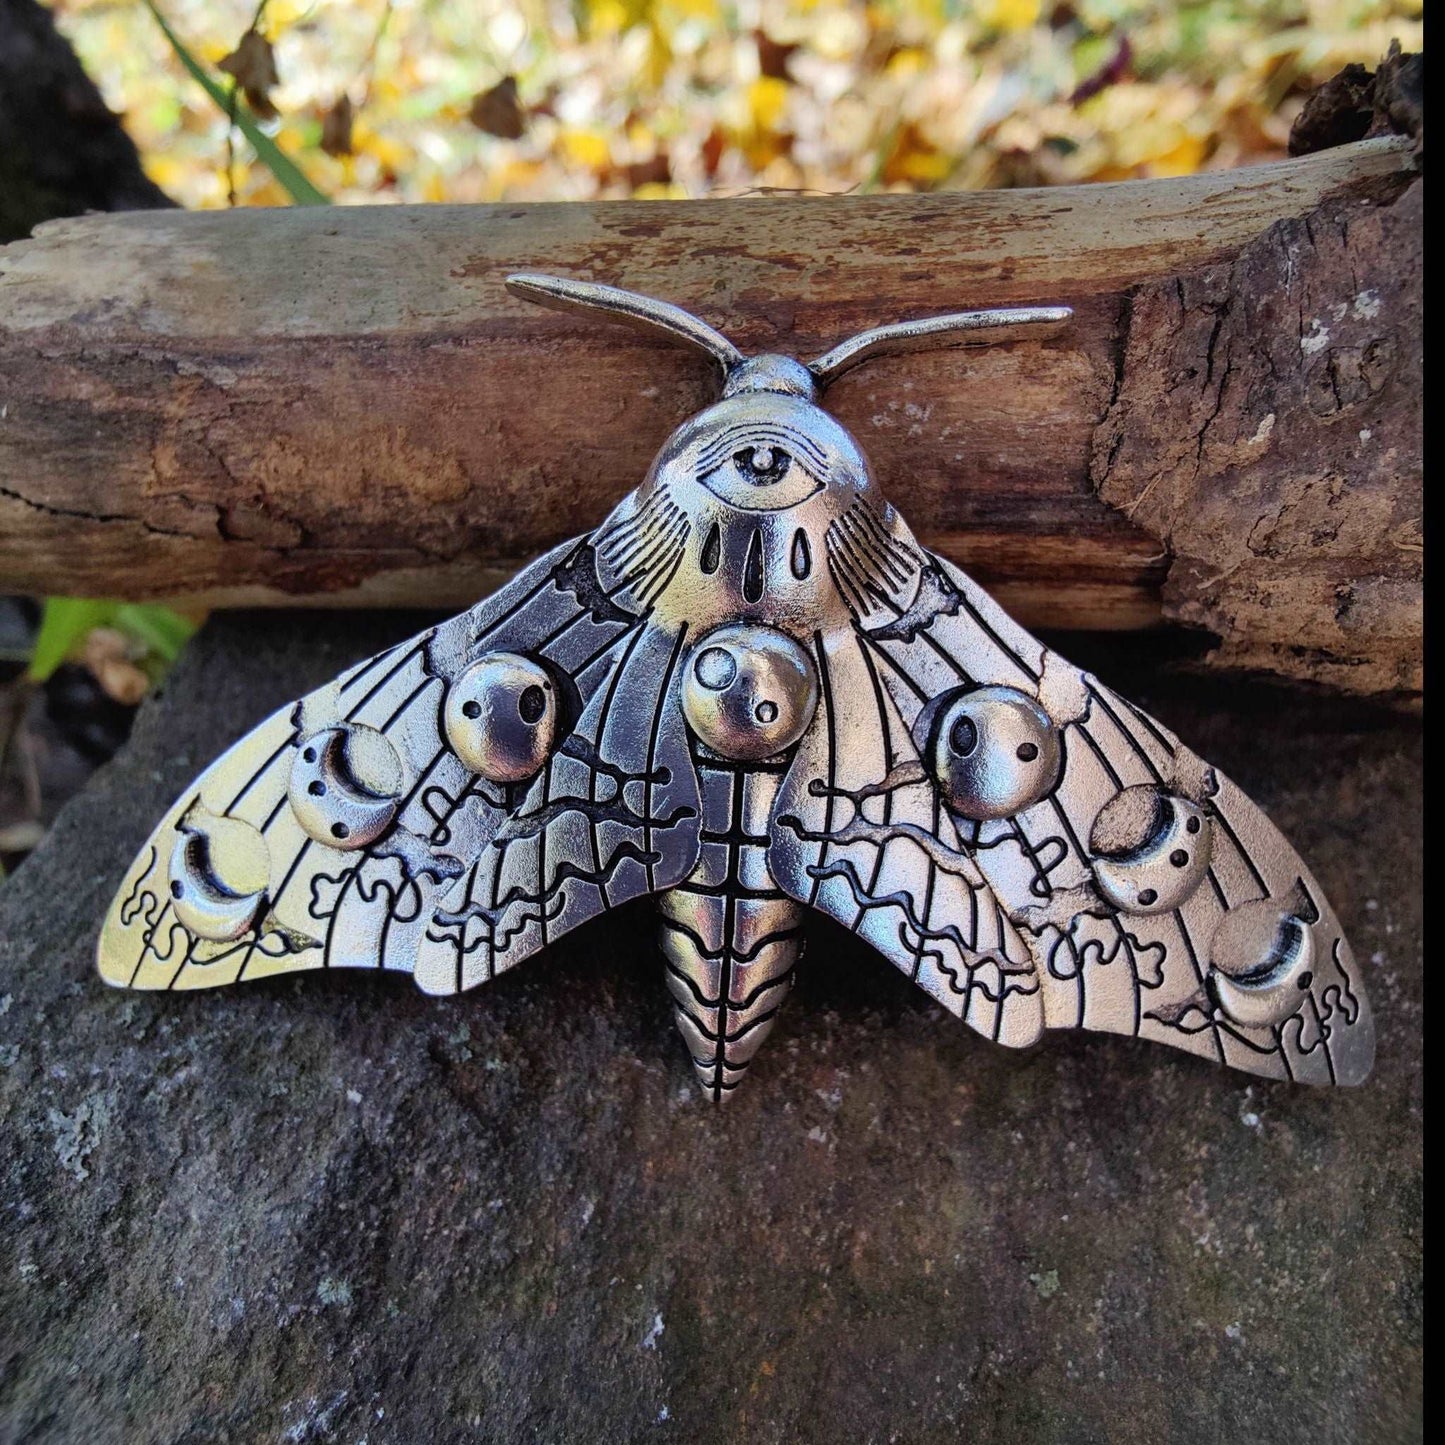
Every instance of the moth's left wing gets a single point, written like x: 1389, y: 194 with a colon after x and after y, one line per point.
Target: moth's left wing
x: 613, y: 815
x: 347, y: 831
x: 1154, y: 897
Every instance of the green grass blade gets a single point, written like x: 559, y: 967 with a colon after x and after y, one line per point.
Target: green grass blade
x: 67, y: 621
x: 64, y: 625
x: 288, y: 174
x: 159, y: 630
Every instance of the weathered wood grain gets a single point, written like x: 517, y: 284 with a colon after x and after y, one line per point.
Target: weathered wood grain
x: 344, y: 406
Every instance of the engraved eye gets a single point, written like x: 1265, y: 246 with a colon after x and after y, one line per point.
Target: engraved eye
x: 501, y: 716
x: 1260, y: 960
x: 762, y: 465
x: 993, y: 752
x: 767, y: 464
x: 748, y: 691
x: 346, y: 784
x: 1152, y: 849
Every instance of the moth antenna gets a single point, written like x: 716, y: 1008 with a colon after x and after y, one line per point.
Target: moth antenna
x: 958, y: 328
x: 646, y: 313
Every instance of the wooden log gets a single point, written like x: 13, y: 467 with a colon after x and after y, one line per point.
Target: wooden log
x: 345, y: 406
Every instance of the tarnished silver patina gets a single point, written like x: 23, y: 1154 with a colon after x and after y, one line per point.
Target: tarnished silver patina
x: 751, y: 693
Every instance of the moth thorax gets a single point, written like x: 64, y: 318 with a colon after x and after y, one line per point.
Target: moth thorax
x: 772, y: 373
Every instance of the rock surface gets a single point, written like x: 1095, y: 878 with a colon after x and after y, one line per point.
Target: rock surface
x: 329, y: 1208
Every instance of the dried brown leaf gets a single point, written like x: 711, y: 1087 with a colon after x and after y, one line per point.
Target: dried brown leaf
x: 1109, y: 73
x: 498, y: 111
x: 336, y: 128
x: 252, y: 64
x: 773, y: 55
x: 712, y: 150
x: 655, y: 171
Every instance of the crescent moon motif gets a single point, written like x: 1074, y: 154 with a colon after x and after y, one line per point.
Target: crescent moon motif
x: 1153, y: 850
x: 219, y: 870
x: 346, y: 785
x: 1260, y: 960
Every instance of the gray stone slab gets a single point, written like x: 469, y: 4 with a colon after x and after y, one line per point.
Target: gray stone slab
x: 329, y: 1208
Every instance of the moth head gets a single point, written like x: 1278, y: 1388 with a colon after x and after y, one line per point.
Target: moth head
x: 768, y: 445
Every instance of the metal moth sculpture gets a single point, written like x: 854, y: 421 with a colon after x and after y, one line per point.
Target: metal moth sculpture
x: 751, y: 693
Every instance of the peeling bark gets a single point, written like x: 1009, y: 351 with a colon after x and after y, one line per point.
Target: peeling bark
x: 1359, y: 102
x: 1267, y: 430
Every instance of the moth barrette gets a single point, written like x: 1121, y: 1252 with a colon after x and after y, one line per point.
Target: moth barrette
x: 751, y: 693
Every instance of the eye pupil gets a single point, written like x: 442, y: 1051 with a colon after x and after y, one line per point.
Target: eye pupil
x: 531, y: 705
x: 964, y: 737
x: 762, y: 464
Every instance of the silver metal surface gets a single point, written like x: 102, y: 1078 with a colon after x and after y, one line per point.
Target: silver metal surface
x: 993, y: 752
x: 501, y: 717
x: 345, y: 786
x: 750, y: 693
x: 960, y: 328
x: 730, y: 936
x: 1152, y: 849
x: 219, y: 869
x: 644, y: 313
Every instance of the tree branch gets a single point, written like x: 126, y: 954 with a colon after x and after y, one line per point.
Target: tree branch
x: 346, y: 407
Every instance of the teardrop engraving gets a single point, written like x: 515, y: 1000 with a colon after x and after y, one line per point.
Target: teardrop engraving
x: 711, y: 550
x: 802, y: 555
x: 753, y: 570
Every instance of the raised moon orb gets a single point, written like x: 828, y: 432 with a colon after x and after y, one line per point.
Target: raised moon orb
x: 993, y: 751
x: 501, y: 716
x: 748, y: 691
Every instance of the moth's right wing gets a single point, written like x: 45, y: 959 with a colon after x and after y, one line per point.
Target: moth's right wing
x: 1159, y: 900
x: 1035, y: 851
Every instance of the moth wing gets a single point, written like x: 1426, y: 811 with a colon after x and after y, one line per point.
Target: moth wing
x: 232, y: 886
x: 612, y: 816
x: 860, y: 833
x: 1251, y: 968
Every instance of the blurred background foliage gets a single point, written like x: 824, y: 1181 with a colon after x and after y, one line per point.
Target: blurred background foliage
x: 477, y: 100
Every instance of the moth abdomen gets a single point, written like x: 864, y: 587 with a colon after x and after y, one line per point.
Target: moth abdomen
x: 730, y: 937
